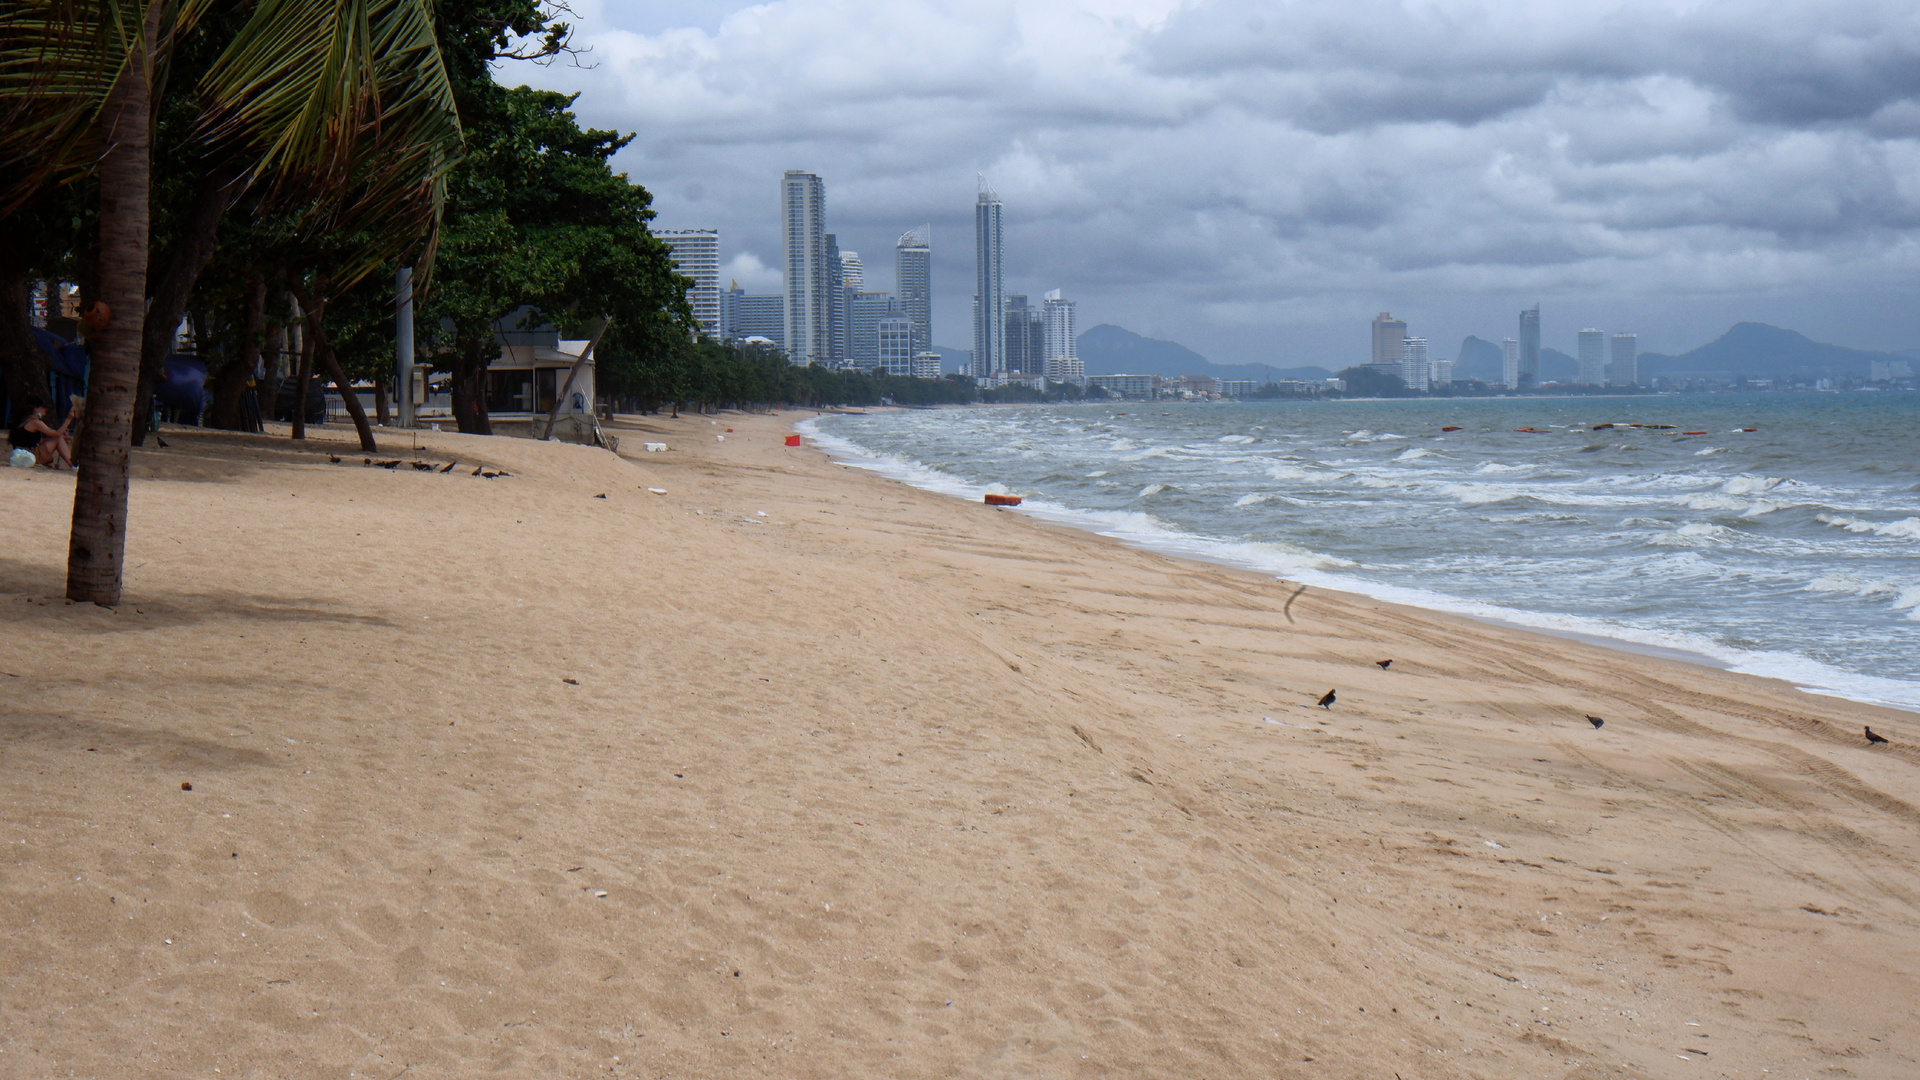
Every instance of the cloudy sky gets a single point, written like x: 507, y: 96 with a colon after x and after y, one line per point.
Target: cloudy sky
x: 1257, y: 180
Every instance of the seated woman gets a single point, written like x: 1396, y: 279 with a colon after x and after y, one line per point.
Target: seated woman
x: 49, y: 444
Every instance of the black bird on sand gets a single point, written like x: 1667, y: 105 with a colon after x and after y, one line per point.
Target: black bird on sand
x: 335, y: 458
x: 1872, y: 738
x: 1327, y: 702
x: 1383, y: 664
x: 1596, y: 722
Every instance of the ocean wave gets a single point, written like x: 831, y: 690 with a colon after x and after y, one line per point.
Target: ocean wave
x: 1240, y: 440
x: 1472, y: 494
x: 1363, y: 435
x: 1487, y: 467
x: 1413, y: 453
x: 1693, y: 534
x: 1751, y: 485
x: 1286, y: 472
x: 1151, y: 489
x: 1904, y: 529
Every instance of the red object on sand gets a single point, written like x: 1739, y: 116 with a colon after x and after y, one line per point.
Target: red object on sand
x: 793, y: 440
x: 1003, y: 500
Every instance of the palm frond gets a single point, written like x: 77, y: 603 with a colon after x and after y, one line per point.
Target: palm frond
x: 346, y: 109
x: 59, y: 59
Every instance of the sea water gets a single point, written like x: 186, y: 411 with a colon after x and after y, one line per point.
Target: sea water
x: 1791, y: 550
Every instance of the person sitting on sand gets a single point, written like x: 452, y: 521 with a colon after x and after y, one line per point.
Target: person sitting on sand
x: 48, y: 444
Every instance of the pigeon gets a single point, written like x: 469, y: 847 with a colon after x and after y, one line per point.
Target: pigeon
x: 1327, y: 702
x: 1872, y: 738
x: 476, y: 470
x: 450, y: 466
x: 394, y: 464
x: 602, y: 495
x: 1383, y: 664
x: 1596, y: 722
x: 161, y: 441
x: 423, y: 465
x: 335, y: 458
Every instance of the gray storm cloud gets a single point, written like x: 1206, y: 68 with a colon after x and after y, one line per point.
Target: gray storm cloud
x: 1256, y: 179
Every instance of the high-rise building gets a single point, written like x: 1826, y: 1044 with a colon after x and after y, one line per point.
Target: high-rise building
x: 853, y: 272
x: 759, y: 316
x: 926, y: 365
x: 837, y: 313
x: 895, y: 338
x: 1624, y: 367
x: 913, y: 283
x: 864, y: 312
x: 1442, y: 376
x: 1529, y: 373
x: 1510, y: 363
x: 989, y: 287
x: 730, y: 309
x: 1414, y: 370
x: 1061, y: 350
x: 696, y: 254
x: 807, y: 310
x: 1388, y: 332
x: 1593, y: 358
x: 1026, y: 338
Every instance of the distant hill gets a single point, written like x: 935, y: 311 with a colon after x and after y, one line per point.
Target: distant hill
x: 1478, y: 360
x: 1110, y: 350
x: 1556, y: 366
x: 1758, y: 351
x: 954, y: 361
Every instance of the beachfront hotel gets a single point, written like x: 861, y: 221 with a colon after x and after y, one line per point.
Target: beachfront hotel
x: 807, y: 306
x: 1528, y: 376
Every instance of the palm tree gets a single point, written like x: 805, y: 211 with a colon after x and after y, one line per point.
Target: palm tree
x: 341, y: 108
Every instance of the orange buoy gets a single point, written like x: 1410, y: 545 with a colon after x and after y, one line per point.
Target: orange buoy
x: 793, y: 440
x: 1003, y: 500
x: 1449, y: 429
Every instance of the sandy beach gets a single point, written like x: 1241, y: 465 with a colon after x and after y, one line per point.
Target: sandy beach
x: 794, y: 771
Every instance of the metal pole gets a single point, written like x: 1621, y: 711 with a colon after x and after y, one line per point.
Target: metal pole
x: 403, y: 342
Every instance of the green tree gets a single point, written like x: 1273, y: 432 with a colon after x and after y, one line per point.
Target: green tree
x: 343, y: 107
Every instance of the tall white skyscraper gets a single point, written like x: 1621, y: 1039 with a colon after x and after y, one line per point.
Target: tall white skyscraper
x: 1063, y: 352
x: 809, y: 301
x: 853, y: 272
x: 1413, y: 363
x: 913, y: 283
x: 696, y: 254
x: 1593, y: 358
x: 1510, y: 363
x: 1624, y: 368
x: 989, y: 287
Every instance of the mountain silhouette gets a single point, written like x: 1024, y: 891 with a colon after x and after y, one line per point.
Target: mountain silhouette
x: 1758, y: 351
x: 1111, y: 350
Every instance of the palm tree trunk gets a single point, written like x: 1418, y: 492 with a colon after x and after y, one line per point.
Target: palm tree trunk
x: 218, y: 190
x: 97, y: 546
x: 315, y: 305
x: 302, y: 375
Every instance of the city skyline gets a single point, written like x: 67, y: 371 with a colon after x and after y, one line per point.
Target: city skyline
x: 1244, y: 180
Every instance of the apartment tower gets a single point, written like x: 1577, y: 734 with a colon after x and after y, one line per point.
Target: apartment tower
x: 989, y: 287
x: 1593, y: 358
x: 1388, y: 333
x: 1624, y: 367
x: 696, y: 254
x: 913, y: 283
x: 1529, y: 374
x: 808, y: 305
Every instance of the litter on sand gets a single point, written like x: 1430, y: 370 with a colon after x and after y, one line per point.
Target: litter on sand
x: 656, y: 448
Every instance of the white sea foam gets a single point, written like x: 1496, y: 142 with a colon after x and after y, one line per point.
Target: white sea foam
x: 1413, y: 453
x: 1237, y: 439
x: 1904, y: 529
x: 1151, y: 489
x: 1704, y: 558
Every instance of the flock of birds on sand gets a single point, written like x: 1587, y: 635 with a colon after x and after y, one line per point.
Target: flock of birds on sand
x: 427, y: 466
x: 1327, y: 701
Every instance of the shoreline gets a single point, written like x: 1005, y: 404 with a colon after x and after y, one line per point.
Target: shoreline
x: 1201, y: 548
x: 732, y: 760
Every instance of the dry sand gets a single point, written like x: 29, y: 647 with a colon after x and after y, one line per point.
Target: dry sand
x: 496, y: 777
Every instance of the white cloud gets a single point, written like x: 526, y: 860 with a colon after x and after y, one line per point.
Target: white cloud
x: 1256, y: 179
